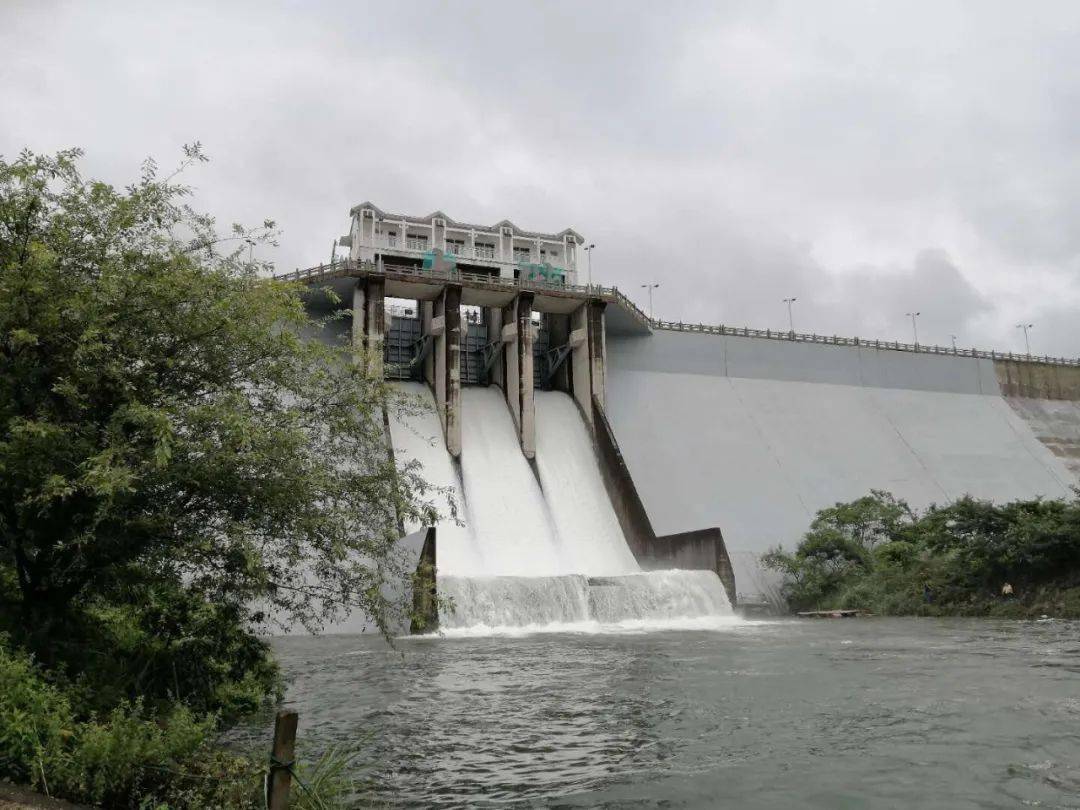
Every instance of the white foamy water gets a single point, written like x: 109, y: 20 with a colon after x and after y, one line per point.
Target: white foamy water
x: 577, y: 603
x: 419, y: 437
x: 543, y: 555
x: 588, y: 528
x: 506, y: 508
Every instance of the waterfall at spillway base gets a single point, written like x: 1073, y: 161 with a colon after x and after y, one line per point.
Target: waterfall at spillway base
x: 575, y: 602
x: 540, y: 551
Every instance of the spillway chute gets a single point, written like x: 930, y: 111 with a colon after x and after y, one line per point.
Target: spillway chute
x: 542, y: 548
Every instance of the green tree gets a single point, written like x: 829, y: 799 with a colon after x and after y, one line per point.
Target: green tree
x: 865, y: 522
x: 876, y: 553
x: 169, y: 441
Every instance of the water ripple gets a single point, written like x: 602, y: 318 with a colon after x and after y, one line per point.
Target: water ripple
x: 912, y: 713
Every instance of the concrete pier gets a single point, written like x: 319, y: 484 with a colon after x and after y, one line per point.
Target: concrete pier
x: 369, y: 323
x: 597, y: 350
x: 446, y: 331
x: 587, y: 356
x: 518, y: 335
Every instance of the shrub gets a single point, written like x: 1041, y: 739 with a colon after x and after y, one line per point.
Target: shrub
x: 126, y: 758
x: 36, y: 721
x: 878, y: 554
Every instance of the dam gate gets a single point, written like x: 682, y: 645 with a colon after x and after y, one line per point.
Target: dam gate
x: 405, y: 348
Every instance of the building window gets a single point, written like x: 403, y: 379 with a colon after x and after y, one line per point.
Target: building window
x: 522, y: 254
x: 391, y: 238
x: 416, y: 242
x: 455, y: 247
x: 485, y: 250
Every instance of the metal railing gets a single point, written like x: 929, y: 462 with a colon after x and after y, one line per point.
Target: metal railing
x: 633, y: 308
x: 453, y: 274
x: 835, y: 340
x: 614, y: 295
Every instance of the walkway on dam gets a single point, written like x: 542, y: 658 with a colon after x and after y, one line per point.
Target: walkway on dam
x: 624, y: 316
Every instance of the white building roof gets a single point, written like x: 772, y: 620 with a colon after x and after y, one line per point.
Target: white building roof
x: 466, y: 226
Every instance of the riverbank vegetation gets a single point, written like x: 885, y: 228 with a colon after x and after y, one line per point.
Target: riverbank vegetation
x: 179, y: 470
x: 968, y: 558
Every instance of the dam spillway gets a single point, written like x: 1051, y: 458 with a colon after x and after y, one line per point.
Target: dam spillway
x: 701, y: 429
x: 539, y: 550
x: 506, y: 510
x: 572, y: 484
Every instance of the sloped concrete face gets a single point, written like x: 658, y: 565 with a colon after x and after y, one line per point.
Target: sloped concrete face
x: 754, y: 436
x: 763, y: 359
x: 1056, y: 423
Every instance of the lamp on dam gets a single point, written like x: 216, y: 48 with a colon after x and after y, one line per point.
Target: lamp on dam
x: 1027, y: 342
x: 588, y: 252
x: 790, y: 320
x: 914, y: 326
x: 650, y: 288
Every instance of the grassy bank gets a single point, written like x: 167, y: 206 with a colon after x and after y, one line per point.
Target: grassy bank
x: 968, y: 558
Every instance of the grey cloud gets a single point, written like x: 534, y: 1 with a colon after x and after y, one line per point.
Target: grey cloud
x: 865, y: 158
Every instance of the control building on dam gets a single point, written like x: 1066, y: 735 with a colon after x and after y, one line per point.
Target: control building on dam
x: 713, y: 444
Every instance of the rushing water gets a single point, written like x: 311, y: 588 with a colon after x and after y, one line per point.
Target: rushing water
x: 540, y: 548
x: 517, y: 605
x: 905, y: 713
x: 582, y: 513
x: 569, y: 678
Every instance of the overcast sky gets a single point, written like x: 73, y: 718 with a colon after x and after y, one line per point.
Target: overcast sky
x: 870, y: 159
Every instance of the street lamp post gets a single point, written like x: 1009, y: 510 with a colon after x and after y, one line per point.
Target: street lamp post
x: 1027, y: 342
x: 914, y: 326
x: 790, y: 320
x: 588, y: 253
x: 650, y: 288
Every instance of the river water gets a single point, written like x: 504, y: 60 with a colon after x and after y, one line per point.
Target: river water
x: 911, y: 713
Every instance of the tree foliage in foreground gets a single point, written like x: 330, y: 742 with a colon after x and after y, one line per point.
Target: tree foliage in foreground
x: 878, y: 554
x: 176, y: 462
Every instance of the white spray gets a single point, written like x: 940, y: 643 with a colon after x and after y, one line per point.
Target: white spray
x: 541, y: 559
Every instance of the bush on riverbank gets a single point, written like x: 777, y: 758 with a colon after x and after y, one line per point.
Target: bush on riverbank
x: 179, y: 465
x: 166, y: 759
x: 131, y: 758
x: 878, y: 554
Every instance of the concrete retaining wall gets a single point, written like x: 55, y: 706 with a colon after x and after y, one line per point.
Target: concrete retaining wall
x: 1038, y: 380
x: 701, y: 549
x: 755, y: 435
x: 693, y: 551
x: 625, y: 500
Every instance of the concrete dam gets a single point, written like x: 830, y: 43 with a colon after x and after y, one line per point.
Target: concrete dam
x: 755, y: 435
x: 613, y: 469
